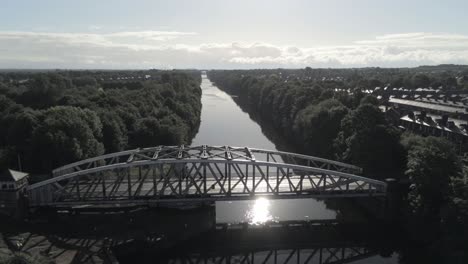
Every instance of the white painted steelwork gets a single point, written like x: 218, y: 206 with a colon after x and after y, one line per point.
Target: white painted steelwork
x: 200, y: 173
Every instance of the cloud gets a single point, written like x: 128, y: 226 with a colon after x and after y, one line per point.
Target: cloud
x: 94, y: 27
x: 150, y: 35
x: 118, y: 39
x: 158, y: 49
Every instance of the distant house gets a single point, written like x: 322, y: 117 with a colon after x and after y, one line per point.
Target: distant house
x: 425, y: 124
x: 455, y: 111
x: 11, y: 180
x: 12, y: 188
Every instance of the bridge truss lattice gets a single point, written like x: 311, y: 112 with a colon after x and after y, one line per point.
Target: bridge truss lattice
x: 199, y: 173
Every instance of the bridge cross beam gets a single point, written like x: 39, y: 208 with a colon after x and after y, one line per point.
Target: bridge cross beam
x: 156, y: 153
x: 249, y: 154
x: 204, y: 152
x: 180, y: 153
x: 227, y: 153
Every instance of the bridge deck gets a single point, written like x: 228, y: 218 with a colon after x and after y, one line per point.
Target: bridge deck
x: 93, y: 193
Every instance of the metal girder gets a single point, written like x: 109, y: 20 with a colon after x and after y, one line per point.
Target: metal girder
x: 199, y: 173
x: 207, y: 152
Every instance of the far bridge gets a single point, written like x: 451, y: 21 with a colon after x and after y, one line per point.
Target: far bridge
x: 185, y: 174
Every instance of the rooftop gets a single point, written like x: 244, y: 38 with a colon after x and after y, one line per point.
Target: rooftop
x: 11, y: 175
x: 431, y: 121
x: 431, y: 106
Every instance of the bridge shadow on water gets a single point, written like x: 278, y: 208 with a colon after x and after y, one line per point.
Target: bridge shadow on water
x: 292, y: 242
x: 192, y: 236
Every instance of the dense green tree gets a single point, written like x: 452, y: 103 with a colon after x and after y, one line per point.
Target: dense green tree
x: 114, y: 132
x: 64, y: 135
x: 6, y: 105
x: 172, y: 131
x: 431, y: 163
x: 365, y: 117
x: 326, y: 94
x: 420, y: 80
x: 19, y: 136
x: 85, y: 81
x: 370, y: 99
x: 367, y: 141
x: 147, y: 133
x: 376, y: 150
x: 316, y: 90
x: 374, y: 83
x: 8, y: 112
x: 7, y: 157
x: 397, y: 81
x: 30, y: 102
x: 45, y: 90
x: 318, y: 126
x: 459, y: 199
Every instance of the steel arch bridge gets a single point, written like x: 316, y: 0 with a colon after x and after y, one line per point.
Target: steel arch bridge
x: 196, y: 174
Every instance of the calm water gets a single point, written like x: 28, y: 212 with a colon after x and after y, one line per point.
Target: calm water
x: 224, y: 123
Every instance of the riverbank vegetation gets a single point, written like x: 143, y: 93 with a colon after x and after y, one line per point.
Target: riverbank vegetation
x: 48, y: 119
x: 327, y: 113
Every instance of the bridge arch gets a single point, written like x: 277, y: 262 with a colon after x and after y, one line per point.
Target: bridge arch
x: 199, y: 173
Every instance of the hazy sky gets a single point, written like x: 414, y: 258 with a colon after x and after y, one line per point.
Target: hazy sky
x: 231, y: 34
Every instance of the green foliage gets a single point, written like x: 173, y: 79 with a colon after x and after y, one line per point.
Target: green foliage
x: 5, y: 157
x: 420, y: 80
x: 368, y: 141
x: 459, y: 198
x: 66, y: 134
x: 431, y: 164
x: 365, y: 117
x: 45, y: 90
x: 85, y: 81
x: 146, y: 130
x: 370, y: 99
x: 318, y: 125
x: 56, y: 118
x: 114, y: 132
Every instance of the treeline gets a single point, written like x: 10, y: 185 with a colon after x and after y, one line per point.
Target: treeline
x: 350, y: 127
x: 449, y: 77
x: 49, y: 119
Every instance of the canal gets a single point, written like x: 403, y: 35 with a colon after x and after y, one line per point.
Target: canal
x: 224, y: 123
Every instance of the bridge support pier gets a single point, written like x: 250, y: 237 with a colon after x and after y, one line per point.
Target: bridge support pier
x: 394, y: 199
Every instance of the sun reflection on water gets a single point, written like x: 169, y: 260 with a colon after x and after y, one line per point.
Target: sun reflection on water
x: 259, y: 212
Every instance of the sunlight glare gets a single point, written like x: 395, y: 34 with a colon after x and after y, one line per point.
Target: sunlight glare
x: 259, y: 213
